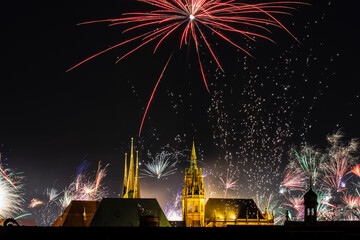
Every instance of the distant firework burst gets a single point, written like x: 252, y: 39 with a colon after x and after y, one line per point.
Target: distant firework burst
x: 84, y: 187
x: 11, y: 193
x: 47, y: 207
x: 173, y: 208
x: 162, y: 165
x: 192, y: 21
x: 229, y: 182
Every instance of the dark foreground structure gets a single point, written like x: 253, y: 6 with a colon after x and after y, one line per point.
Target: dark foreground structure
x: 239, y: 232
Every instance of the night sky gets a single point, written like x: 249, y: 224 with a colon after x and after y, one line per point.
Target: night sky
x: 52, y: 119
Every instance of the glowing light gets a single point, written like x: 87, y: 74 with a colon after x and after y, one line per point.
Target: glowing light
x: 35, y: 202
x: 356, y: 170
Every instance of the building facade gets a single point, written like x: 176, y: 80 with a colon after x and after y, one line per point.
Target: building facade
x: 223, y: 212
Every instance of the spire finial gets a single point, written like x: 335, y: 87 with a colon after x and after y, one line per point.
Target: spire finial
x: 193, y: 159
x: 193, y: 153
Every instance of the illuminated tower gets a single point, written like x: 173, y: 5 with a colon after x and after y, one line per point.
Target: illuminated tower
x: 131, y: 187
x: 193, y: 195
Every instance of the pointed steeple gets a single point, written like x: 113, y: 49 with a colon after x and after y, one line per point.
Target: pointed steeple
x: 193, y: 165
x: 193, y: 153
x: 137, y: 185
x: 130, y: 181
x: 125, y: 176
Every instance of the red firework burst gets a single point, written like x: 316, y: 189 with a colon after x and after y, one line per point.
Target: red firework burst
x: 356, y: 170
x: 193, y: 17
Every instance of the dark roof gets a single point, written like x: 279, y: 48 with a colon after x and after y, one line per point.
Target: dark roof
x: 231, y: 207
x: 73, y: 216
x: 125, y: 212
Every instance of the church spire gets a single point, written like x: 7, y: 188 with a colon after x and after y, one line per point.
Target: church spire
x: 125, y: 176
x: 193, y: 165
x: 137, y: 185
x: 130, y: 181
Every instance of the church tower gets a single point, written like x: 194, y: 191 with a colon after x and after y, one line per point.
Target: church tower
x: 310, y: 206
x: 131, y: 186
x: 193, y: 194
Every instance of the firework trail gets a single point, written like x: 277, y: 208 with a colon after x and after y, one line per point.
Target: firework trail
x: 162, y: 165
x: 340, y: 161
x: 229, y: 182
x: 194, y: 19
x: 338, y: 167
x: 293, y: 180
x: 303, y: 166
x: 309, y: 161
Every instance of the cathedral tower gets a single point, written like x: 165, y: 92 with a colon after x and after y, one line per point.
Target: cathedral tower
x: 131, y: 186
x: 193, y: 194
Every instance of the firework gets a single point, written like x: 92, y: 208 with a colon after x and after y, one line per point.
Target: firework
x: 309, y: 161
x: 162, y: 165
x: 293, y: 180
x: 336, y: 198
x: 35, y: 202
x: 352, y: 204
x: 173, y: 208
x: 356, y: 170
x: 46, y: 208
x: 270, y: 204
x: 194, y: 19
x: 83, y: 187
x: 303, y: 166
x: 351, y: 201
x: 229, y: 182
x: 11, y: 193
x: 337, y: 168
x: 296, y: 203
x: 11, y: 200
x: 52, y: 193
